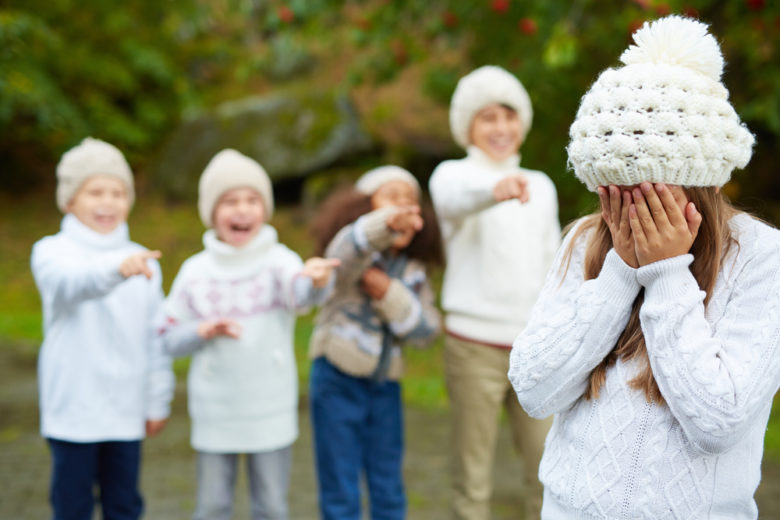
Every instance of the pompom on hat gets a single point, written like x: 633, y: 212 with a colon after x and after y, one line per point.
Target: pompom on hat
x: 663, y: 117
x: 230, y: 169
x: 372, y: 180
x: 91, y: 157
x: 482, y: 87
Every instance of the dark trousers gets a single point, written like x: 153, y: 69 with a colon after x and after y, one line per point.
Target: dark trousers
x: 358, y: 431
x: 77, y: 467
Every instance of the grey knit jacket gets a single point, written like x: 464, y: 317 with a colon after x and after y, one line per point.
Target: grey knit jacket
x: 351, y: 328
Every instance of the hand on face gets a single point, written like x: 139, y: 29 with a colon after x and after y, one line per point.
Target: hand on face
x: 136, y: 264
x: 511, y: 187
x: 649, y: 222
x: 320, y: 270
x: 220, y: 327
x: 663, y: 221
x: 375, y: 283
x: 614, y: 211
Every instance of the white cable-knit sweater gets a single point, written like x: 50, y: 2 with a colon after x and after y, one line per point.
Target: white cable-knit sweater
x: 497, y: 252
x: 620, y: 457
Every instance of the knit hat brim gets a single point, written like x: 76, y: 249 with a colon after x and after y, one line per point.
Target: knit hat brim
x: 482, y: 87
x: 372, y: 180
x: 227, y: 170
x: 90, y: 158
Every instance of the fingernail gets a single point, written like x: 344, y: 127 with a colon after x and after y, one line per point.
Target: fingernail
x: 659, y: 187
x: 646, y: 187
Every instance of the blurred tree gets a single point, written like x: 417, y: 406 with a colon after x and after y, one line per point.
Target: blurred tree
x: 127, y: 72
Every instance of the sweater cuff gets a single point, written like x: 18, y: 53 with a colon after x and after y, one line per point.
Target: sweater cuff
x: 109, y: 269
x: 371, y: 231
x: 396, y: 304
x: 668, y: 279
x: 618, y: 280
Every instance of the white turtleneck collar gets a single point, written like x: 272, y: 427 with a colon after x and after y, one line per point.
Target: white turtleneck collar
x: 246, y: 256
x: 76, y: 230
x: 475, y: 153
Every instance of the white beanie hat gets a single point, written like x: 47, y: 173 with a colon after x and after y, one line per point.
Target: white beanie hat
x: 372, y: 180
x: 663, y: 117
x: 89, y: 158
x: 230, y: 169
x: 482, y: 87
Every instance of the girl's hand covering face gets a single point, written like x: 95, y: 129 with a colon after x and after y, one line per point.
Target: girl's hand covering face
x: 663, y: 222
x: 614, y: 210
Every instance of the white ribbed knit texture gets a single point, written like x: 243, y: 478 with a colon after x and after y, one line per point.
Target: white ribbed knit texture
x: 663, y: 117
x: 482, y: 87
x: 618, y: 456
x: 230, y: 169
x: 91, y: 157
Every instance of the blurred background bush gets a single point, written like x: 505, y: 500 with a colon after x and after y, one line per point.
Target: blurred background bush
x: 133, y: 73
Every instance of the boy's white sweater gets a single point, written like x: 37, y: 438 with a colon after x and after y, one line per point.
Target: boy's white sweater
x: 242, y: 393
x: 101, y: 369
x: 620, y: 457
x: 497, y: 253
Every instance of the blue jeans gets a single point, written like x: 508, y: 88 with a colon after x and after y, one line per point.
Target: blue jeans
x: 77, y: 466
x: 269, y: 482
x: 358, y: 431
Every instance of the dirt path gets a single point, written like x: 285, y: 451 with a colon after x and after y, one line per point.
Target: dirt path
x: 168, y: 472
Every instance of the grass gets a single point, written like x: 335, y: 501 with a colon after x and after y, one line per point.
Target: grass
x: 176, y: 231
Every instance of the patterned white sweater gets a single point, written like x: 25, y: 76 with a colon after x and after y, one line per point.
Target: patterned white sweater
x: 718, y: 368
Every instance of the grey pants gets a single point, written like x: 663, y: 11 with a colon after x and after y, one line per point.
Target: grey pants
x: 269, y: 482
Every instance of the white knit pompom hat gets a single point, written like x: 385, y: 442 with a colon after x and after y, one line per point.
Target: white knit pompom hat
x: 230, y: 169
x: 372, y: 180
x: 482, y: 87
x: 663, y: 117
x: 90, y: 158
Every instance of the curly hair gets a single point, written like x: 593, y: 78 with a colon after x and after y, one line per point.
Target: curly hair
x: 346, y: 205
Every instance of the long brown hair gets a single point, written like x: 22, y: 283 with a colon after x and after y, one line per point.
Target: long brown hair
x: 712, y: 243
x: 346, y: 204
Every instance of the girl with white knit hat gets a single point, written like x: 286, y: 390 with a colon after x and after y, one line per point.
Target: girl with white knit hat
x: 381, y: 301
x: 500, y: 227
x: 656, y: 340
x: 232, y: 307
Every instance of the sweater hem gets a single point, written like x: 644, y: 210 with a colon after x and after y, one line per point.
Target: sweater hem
x: 478, y: 330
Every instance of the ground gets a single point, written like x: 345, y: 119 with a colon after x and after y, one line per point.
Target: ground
x: 169, y: 465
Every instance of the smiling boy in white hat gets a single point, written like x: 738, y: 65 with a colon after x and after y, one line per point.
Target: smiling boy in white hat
x: 500, y: 227
x: 104, y: 380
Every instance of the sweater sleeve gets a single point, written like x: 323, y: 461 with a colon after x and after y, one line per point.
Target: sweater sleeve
x: 573, y: 326
x: 299, y: 292
x: 178, y: 324
x: 355, y: 243
x: 160, y: 379
x: 409, y: 310
x: 64, y: 281
x: 552, y: 235
x: 716, y: 377
x: 457, y: 191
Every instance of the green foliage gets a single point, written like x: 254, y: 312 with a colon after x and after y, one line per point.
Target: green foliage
x: 127, y: 72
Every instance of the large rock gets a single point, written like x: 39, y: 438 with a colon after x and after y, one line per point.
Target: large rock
x: 290, y: 135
